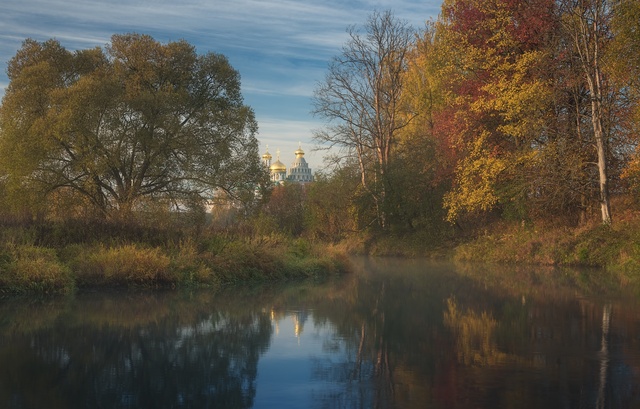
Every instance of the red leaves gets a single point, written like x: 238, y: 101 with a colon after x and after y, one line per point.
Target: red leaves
x: 528, y: 22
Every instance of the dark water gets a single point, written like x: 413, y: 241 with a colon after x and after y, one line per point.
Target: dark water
x: 396, y: 334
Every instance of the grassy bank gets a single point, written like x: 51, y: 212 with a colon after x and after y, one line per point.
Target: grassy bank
x: 37, y: 260
x: 614, y: 249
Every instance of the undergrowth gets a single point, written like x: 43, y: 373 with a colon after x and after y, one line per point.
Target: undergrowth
x: 31, y: 261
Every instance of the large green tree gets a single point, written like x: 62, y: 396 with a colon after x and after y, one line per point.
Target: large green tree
x: 135, y: 121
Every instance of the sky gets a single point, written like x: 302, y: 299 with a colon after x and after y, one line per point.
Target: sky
x: 281, y: 48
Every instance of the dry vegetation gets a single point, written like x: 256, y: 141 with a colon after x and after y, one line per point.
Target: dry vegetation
x: 31, y: 261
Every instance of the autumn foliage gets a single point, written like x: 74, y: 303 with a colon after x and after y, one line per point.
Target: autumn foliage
x: 514, y: 127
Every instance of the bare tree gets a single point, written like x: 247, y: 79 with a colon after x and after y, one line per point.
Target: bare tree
x: 587, y: 24
x: 360, y: 99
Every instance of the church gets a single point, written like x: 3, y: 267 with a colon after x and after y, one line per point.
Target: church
x: 299, y: 172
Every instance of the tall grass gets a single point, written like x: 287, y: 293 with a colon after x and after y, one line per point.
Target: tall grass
x: 123, y: 265
x: 48, y: 260
x: 27, y: 268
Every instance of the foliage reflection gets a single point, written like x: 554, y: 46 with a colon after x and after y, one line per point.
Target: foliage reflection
x: 140, y: 351
x: 396, y: 333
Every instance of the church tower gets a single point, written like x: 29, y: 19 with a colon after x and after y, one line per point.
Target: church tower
x: 266, y: 158
x: 278, y: 171
x: 300, y: 171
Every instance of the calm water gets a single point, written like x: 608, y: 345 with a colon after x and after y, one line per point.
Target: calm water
x: 396, y: 334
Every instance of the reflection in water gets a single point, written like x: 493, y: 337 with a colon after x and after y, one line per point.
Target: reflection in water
x: 152, y: 359
x: 397, y: 334
x: 604, y: 355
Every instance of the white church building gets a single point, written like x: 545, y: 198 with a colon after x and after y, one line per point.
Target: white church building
x: 299, y: 172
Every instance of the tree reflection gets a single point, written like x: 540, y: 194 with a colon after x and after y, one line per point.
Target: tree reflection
x: 210, y: 361
x: 604, y: 355
x: 475, y: 335
x: 394, y: 335
x: 403, y: 340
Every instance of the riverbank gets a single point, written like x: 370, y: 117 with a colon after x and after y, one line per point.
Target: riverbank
x: 614, y: 248
x: 37, y: 261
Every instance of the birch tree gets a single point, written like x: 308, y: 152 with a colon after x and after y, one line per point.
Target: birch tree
x: 587, y: 24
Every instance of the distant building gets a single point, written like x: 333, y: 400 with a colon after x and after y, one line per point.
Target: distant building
x: 299, y: 172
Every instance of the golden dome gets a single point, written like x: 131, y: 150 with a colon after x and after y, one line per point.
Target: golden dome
x: 278, y: 166
x: 267, y: 155
x: 299, y: 151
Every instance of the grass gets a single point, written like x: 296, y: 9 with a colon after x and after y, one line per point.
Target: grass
x: 29, y: 262
x: 26, y: 268
x: 612, y: 252
x: 594, y: 245
x: 123, y: 265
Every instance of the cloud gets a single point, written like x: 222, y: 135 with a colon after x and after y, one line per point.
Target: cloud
x: 280, y: 47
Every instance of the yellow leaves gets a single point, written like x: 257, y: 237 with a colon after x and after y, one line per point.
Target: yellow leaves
x: 480, y: 174
x: 422, y: 91
x: 476, y: 176
x: 518, y: 97
x: 499, y: 99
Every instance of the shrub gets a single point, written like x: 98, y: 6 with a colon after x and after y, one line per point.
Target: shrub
x: 190, y: 266
x: 28, y: 268
x: 125, y: 264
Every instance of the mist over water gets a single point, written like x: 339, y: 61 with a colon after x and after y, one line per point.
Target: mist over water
x: 395, y: 334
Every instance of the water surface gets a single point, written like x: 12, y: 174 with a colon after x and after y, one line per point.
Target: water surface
x: 395, y: 334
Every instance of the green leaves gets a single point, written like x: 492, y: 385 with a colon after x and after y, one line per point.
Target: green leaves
x: 138, y: 119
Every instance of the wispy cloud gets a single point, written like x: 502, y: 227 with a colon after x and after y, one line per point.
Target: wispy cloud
x: 280, y: 47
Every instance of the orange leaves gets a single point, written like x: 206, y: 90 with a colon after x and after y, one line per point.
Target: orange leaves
x: 492, y: 53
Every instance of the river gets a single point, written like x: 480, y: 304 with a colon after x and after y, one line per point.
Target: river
x: 394, y: 334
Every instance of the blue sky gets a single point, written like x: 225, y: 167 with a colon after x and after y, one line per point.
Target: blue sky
x: 280, y: 47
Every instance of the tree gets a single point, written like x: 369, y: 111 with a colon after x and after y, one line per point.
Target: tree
x: 360, y: 98
x: 286, y: 206
x: 625, y: 50
x: 136, y: 121
x: 625, y: 69
x: 330, y: 213
x: 420, y: 167
x: 492, y: 55
x: 587, y: 24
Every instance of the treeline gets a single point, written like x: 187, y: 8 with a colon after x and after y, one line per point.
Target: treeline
x: 497, y: 110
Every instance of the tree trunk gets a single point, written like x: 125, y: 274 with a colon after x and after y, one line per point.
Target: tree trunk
x: 602, y: 163
x: 595, y: 88
x: 588, y: 31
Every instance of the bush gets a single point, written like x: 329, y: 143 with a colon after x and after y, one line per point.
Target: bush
x: 190, y: 266
x: 27, y: 268
x: 126, y: 264
x: 37, y: 264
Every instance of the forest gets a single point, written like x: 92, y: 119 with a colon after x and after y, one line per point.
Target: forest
x: 506, y: 129
x: 500, y: 131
